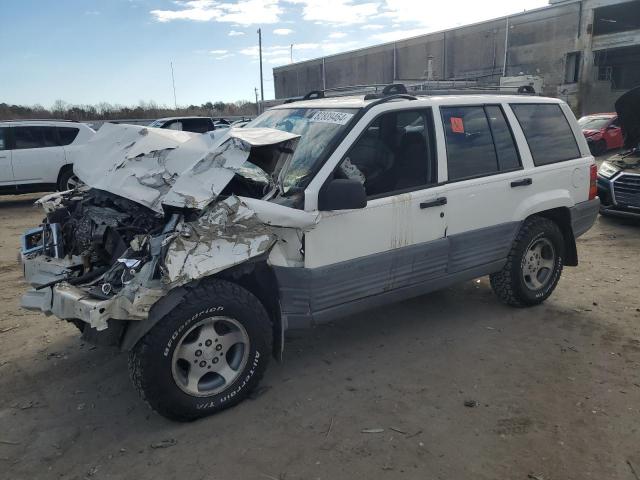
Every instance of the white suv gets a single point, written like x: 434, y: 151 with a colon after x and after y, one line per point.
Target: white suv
x: 35, y: 156
x: 317, y: 209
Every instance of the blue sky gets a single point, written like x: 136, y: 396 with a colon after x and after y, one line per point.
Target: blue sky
x: 118, y: 51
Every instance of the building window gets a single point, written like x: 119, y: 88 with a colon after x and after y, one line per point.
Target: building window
x: 622, y: 17
x: 604, y: 73
x: 572, y: 67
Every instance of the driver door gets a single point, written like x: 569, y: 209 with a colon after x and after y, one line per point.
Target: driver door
x: 397, y: 240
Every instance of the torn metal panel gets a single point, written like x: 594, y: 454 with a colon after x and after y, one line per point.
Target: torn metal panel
x: 227, y: 234
x: 202, y: 183
x: 139, y: 163
x: 280, y: 216
x: 154, y: 166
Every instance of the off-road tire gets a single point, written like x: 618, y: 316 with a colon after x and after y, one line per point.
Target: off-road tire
x: 508, y: 284
x: 150, y: 361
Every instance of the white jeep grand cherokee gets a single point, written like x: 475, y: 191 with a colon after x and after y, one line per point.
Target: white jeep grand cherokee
x: 196, y: 253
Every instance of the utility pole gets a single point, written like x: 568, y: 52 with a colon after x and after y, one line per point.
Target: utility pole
x: 257, y: 104
x: 173, y: 80
x: 260, y: 52
x: 291, y: 58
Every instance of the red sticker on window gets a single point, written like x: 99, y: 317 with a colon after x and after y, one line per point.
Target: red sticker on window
x: 457, y: 126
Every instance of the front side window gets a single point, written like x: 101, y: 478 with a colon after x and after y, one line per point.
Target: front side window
x: 34, y: 137
x: 395, y: 153
x: 319, y: 130
x: 67, y: 135
x: 548, y: 133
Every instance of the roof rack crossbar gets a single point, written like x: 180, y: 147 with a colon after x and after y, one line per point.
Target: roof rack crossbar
x: 396, y: 90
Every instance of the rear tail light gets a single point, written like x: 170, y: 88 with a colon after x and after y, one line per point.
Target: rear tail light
x: 593, y: 182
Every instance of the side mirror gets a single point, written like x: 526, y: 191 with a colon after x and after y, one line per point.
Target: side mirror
x: 342, y: 194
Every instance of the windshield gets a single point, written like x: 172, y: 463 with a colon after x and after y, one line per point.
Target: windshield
x: 594, y: 123
x: 318, y: 128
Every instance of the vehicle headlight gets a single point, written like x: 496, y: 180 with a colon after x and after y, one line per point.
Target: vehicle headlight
x: 607, y: 170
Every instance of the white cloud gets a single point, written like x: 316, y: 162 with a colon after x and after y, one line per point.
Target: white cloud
x: 242, y: 12
x: 372, y: 26
x: 337, y: 35
x: 336, y: 12
x: 283, y: 31
x: 218, y: 52
x: 235, y: 33
x: 225, y: 56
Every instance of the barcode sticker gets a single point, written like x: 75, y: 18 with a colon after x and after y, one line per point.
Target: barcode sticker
x: 337, y: 118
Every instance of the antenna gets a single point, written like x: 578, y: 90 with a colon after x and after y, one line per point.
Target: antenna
x: 173, y: 80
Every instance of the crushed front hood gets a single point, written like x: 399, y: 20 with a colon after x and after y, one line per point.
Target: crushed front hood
x: 155, y: 167
x: 628, y: 109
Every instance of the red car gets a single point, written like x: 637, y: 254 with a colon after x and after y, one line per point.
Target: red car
x: 602, y: 131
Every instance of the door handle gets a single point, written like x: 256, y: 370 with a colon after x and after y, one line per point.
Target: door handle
x: 521, y: 183
x: 438, y: 202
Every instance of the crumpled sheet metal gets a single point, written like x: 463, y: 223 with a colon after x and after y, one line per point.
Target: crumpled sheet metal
x: 199, y: 185
x: 153, y: 166
x: 227, y: 234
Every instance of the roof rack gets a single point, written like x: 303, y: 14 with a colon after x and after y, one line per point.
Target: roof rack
x: 425, y: 88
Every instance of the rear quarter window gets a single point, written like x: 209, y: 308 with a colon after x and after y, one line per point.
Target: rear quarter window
x: 548, y: 133
x: 67, y: 135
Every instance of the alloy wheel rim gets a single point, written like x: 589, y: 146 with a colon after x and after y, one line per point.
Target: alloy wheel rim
x: 210, y: 356
x: 538, y: 264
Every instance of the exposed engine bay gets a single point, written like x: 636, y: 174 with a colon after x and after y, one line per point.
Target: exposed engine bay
x: 101, y: 255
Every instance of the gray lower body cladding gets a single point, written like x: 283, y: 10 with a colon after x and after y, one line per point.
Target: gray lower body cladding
x: 583, y: 215
x: 309, y: 296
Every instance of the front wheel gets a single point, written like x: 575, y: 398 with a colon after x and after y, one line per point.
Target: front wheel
x: 533, y: 266
x: 204, y: 356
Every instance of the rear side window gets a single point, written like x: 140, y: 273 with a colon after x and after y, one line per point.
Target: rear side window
x: 34, y: 137
x: 67, y: 135
x: 479, y: 142
x: 197, y: 125
x: 548, y: 133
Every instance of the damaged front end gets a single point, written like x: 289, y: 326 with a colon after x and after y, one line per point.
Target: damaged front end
x: 160, y: 211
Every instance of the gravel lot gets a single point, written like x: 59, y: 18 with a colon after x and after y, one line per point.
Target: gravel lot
x: 552, y: 392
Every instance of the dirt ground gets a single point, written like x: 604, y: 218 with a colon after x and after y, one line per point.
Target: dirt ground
x: 376, y: 395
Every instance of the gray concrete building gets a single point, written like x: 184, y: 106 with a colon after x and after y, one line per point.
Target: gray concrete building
x: 585, y: 51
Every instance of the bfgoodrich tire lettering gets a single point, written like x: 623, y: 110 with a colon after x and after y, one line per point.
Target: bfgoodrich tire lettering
x: 538, y: 247
x: 152, y: 362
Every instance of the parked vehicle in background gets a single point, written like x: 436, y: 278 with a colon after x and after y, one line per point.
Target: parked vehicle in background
x: 187, y: 124
x: 319, y: 209
x: 36, y: 155
x: 602, y: 131
x: 619, y: 175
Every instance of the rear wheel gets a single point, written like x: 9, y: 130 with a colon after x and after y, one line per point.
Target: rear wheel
x: 533, y: 266
x: 204, y: 356
x: 68, y: 180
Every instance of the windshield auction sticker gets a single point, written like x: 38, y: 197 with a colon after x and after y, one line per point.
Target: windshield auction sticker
x: 338, y: 118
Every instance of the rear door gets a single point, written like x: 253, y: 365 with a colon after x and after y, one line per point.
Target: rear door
x: 37, y: 156
x: 6, y: 171
x: 486, y: 182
